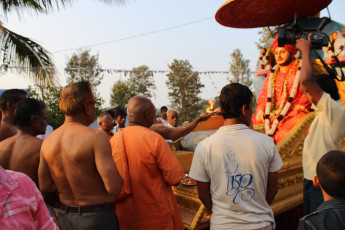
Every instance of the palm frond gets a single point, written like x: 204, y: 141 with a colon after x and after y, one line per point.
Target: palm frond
x: 21, y: 52
x: 43, y: 5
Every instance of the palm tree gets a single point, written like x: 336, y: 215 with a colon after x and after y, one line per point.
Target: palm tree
x: 20, y: 51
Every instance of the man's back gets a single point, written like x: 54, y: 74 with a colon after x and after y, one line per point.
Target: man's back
x: 75, y: 154
x: 21, y: 153
x: 152, y: 170
x: 237, y: 160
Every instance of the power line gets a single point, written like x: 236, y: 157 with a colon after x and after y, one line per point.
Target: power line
x: 134, y: 36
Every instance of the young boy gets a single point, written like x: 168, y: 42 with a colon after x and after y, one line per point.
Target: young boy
x: 330, y: 177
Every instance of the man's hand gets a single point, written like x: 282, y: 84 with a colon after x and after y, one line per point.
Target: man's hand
x: 259, y: 116
x: 304, y: 45
x: 205, y: 116
x: 300, y: 108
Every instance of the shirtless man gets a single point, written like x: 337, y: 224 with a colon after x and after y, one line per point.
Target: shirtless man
x: 76, y: 162
x: 21, y: 152
x: 8, y: 102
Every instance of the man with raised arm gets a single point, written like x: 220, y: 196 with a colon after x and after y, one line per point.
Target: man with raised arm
x: 21, y: 152
x: 76, y: 163
x: 236, y: 168
x: 149, y: 169
x: 327, y: 128
x: 8, y: 101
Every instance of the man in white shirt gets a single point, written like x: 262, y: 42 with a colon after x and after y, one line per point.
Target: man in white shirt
x: 163, y: 118
x: 237, y: 168
x: 327, y: 128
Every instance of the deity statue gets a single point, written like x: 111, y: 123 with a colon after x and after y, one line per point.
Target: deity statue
x: 281, y: 103
x: 265, y: 61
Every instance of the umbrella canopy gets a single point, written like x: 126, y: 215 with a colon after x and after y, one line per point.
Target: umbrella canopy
x: 261, y: 13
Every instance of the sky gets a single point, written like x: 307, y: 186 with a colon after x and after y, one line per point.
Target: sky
x: 127, y: 37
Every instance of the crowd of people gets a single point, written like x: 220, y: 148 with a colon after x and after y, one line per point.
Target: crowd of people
x: 120, y: 177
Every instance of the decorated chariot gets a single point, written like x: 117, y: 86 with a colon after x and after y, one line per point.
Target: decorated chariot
x: 331, y: 57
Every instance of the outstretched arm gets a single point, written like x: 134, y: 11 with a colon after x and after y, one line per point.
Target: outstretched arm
x: 173, y: 133
x: 308, y: 84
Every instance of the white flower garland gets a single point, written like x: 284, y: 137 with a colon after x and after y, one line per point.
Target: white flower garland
x: 270, y: 94
x: 337, y: 50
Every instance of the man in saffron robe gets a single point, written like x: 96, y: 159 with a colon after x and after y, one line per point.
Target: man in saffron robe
x: 149, y: 169
x: 283, y: 80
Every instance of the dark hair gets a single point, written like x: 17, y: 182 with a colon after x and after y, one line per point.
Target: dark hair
x: 328, y: 85
x: 331, y: 173
x: 232, y: 98
x: 119, y: 111
x: 73, y: 97
x: 164, y: 108
x: 11, y: 95
x: 111, y: 113
x: 25, y: 110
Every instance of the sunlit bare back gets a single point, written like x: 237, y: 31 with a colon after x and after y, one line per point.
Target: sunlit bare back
x: 76, y: 162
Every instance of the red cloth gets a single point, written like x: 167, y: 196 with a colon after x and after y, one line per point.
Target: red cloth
x: 21, y: 203
x: 292, y: 116
x: 291, y: 48
x: 151, y: 170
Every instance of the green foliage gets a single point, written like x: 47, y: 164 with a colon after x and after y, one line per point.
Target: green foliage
x: 265, y: 35
x: 21, y: 51
x: 140, y: 82
x: 184, y: 88
x: 239, y: 69
x: 50, y: 95
x: 82, y: 66
x: 120, y: 94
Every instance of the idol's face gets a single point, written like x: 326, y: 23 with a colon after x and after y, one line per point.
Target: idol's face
x: 282, y: 56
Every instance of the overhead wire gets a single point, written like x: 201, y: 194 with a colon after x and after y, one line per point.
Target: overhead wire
x: 134, y: 36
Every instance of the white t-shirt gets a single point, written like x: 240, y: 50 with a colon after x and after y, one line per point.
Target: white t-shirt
x: 236, y: 161
x: 325, y: 133
x: 165, y: 122
x: 49, y: 130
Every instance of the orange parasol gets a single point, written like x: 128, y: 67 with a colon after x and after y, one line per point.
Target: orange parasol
x: 261, y: 13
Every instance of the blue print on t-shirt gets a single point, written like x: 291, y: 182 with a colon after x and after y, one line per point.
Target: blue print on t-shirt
x: 238, y: 183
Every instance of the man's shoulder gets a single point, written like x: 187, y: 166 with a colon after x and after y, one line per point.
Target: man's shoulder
x: 326, y: 215
x: 20, y: 178
x: 7, y: 131
x: 8, y: 142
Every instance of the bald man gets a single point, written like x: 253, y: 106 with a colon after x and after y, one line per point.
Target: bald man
x: 106, y: 123
x: 76, y: 163
x: 150, y: 202
x: 172, y: 118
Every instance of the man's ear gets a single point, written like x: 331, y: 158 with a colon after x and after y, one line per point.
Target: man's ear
x: 243, y: 110
x: 87, y: 108
x: 316, y: 181
x: 10, y: 106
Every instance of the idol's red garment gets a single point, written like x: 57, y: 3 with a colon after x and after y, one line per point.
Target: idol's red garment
x: 300, y: 105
